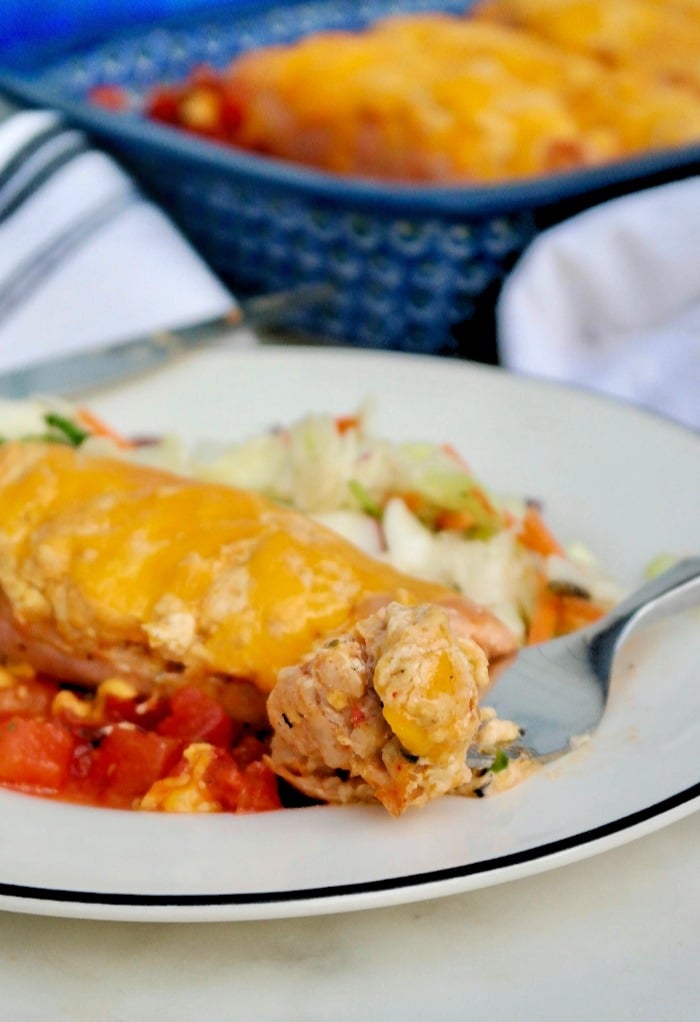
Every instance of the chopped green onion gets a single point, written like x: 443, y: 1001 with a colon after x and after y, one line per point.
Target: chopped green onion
x: 73, y: 433
x: 659, y: 564
x: 500, y: 762
x: 367, y: 503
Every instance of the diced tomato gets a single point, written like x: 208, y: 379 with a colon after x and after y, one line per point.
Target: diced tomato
x: 110, y: 97
x: 205, y: 105
x: 249, y: 790
x: 164, y: 105
x: 29, y: 697
x: 116, y: 709
x: 129, y: 761
x: 53, y: 746
x: 232, y: 114
x: 224, y: 779
x: 248, y: 749
x: 259, y: 792
x: 149, y: 712
x: 35, y: 753
x: 78, y: 784
x: 197, y: 717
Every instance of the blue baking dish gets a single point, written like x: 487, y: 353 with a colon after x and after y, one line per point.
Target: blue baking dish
x: 415, y: 268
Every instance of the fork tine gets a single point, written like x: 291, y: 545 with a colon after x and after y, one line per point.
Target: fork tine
x: 551, y: 692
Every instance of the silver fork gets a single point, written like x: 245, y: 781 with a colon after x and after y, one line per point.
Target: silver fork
x: 557, y: 691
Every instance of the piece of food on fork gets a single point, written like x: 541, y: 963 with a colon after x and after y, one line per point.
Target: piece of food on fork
x: 109, y: 568
x: 386, y: 710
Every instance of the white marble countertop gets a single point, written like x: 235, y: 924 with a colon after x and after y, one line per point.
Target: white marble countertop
x: 613, y: 937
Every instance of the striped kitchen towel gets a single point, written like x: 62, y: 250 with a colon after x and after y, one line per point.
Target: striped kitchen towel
x: 85, y: 258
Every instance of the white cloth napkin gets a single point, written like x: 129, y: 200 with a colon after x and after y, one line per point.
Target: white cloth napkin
x: 611, y: 299
x: 85, y: 258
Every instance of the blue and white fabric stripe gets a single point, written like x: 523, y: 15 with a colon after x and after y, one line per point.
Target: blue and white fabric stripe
x: 85, y: 258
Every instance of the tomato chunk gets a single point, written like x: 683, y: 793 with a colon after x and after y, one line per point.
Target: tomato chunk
x: 130, y: 760
x: 111, y: 97
x: 29, y: 697
x: 113, y: 747
x: 259, y: 792
x: 35, y: 753
x: 195, y: 716
x: 164, y: 105
x: 224, y: 779
x: 252, y: 789
x: 248, y: 749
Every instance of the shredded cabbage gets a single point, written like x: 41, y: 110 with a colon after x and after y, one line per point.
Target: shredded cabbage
x: 395, y: 500
x: 417, y: 505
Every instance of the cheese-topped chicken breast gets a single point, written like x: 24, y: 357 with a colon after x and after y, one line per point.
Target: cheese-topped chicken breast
x: 385, y: 711
x: 430, y: 96
x: 660, y: 38
x: 109, y: 568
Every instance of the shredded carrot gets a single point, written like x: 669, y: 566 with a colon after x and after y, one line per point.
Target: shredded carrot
x: 344, y: 423
x: 488, y: 507
x: 576, y: 611
x: 453, y: 453
x: 95, y: 425
x: 544, y: 623
x: 413, y: 500
x: 560, y: 613
x: 458, y: 521
x: 535, y: 535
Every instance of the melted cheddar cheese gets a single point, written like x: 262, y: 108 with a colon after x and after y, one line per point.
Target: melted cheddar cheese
x: 440, y: 98
x: 108, y: 559
x: 660, y: 38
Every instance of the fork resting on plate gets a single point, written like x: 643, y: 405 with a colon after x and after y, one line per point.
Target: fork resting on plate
x: 557, y: 691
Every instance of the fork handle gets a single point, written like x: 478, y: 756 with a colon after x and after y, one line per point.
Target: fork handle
x: 671, y: 591
x: 674, y: 590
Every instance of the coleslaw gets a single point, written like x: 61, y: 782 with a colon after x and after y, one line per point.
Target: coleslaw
x: 414, y: 504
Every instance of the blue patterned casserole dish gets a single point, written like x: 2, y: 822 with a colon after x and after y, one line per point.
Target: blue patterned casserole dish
x: 412, y: 268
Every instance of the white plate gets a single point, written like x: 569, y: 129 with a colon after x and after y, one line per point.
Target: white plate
x: 624, y: 481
